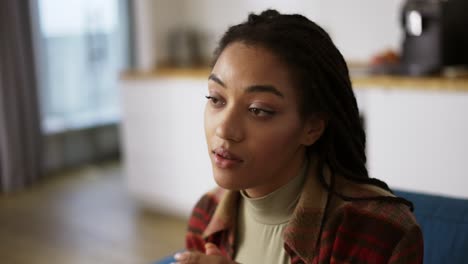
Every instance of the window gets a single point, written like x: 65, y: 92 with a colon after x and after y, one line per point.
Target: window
x: 81, y: 46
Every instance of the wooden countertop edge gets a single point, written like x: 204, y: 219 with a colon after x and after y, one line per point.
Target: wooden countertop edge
x: 182, y: 73
x: 409, y: 83
x: 364, y: 82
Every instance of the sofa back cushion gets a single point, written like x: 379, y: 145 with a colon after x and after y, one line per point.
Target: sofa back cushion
x: 444, y: 223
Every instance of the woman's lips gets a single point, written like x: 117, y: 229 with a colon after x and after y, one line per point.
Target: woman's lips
x: 225, y: 159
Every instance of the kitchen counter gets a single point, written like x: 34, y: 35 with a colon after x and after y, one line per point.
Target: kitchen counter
x: 360, y: 81
x: 415, y: 129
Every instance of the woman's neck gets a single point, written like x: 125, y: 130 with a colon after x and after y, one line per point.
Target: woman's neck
x: 283, y: 177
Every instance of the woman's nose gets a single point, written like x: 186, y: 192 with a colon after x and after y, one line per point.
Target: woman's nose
x: 230, y: 126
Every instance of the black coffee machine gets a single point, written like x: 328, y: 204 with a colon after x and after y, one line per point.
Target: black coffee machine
x: 435, y: 35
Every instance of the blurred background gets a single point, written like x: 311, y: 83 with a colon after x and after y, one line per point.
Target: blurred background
x: 102, y: 151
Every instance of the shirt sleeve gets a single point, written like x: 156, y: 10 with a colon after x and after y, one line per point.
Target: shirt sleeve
x: 410, y: 249
x: 199, y: 219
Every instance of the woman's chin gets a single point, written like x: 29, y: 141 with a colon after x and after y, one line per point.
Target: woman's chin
x: 228, y: 182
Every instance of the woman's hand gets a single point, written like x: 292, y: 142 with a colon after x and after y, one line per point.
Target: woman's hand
x: 213, y: 256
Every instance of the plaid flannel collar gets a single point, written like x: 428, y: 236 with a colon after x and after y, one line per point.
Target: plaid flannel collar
x: 302, y: 232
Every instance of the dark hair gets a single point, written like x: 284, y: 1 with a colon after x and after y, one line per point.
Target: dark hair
x: 324, y: 88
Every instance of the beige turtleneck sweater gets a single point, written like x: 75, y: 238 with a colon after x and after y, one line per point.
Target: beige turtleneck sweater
x: 261, y: 222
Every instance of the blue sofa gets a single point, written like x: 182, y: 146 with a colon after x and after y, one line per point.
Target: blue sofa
x: 444, y: 223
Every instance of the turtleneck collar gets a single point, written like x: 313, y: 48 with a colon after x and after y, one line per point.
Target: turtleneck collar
x: 276, y: 207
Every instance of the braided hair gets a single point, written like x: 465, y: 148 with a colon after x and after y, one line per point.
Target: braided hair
x: 324, y: 89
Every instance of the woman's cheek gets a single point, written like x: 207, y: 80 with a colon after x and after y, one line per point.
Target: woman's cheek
x: 208, y: 123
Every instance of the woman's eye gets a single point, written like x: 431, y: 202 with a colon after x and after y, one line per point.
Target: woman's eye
x: 214, y: 100
x: 261, y: 112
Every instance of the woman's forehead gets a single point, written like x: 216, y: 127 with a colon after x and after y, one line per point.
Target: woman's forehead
x: 241, y: 66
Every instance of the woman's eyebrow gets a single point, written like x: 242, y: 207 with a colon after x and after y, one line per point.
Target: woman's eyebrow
x: 251, y: 89
x: 264, y: 89
x: 215, y: 78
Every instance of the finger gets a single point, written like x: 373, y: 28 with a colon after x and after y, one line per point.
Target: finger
x: 181, y: 256
x: 187, y: 257
x: 212, y: 249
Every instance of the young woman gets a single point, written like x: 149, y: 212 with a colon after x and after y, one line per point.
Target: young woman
x: 287, y: 150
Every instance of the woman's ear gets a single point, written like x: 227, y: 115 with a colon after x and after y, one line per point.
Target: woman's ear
x: 313, y: 129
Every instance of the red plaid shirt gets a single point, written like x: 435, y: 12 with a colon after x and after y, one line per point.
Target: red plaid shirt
x: 354, y: 232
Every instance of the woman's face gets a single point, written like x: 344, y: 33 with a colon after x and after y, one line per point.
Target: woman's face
x: 255, y: 136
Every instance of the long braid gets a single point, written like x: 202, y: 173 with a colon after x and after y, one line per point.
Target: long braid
x: 324, y: 87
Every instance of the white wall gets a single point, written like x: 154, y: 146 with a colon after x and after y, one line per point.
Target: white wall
x: 214, y: 17
x: 153, y: 20
x: 144, y: 35
x: 359, y: 28
x: 362, y: 28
